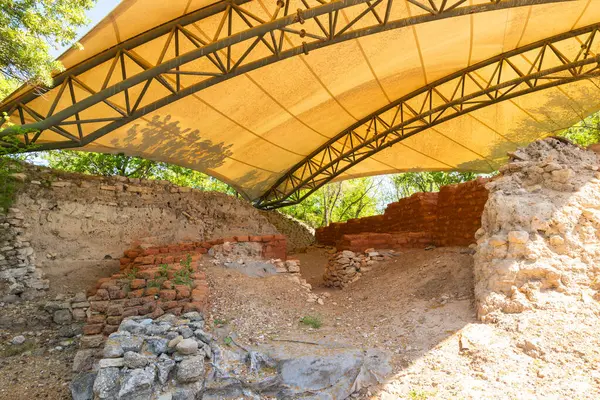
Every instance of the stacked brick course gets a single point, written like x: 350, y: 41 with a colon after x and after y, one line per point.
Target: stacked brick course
x: 459, y: 212
x: 364, y: 241
x: 151, y: 282
x: 448, y: 218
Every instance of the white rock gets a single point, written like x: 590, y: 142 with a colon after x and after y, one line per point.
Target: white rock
x: 187, y: 346
x: 20, y: 339
x: 111, y: 362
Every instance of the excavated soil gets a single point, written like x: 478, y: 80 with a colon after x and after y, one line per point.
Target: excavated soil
x: 405, y: 305
x: 418, y: 306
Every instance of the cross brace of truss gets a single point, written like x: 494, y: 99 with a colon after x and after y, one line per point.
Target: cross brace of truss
x: 267, y: 33
x: 555, y: 61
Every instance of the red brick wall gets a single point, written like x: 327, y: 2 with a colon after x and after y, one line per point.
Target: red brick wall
x: 448, y: 218
x: 459, y: 212
x: 362, y: 241
x: 416, y: 213
x: 145, y: 287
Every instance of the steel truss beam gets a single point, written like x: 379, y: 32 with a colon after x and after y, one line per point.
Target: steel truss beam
x: 181, y: 74
x: 554, y: 61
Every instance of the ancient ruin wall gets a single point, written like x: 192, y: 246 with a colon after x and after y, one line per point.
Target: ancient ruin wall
x: 539, y: 244
x: 298, y: 234
x: 448, y: 218
x: 62, y: 222
x: 18, y: 274
x: 459, y: 209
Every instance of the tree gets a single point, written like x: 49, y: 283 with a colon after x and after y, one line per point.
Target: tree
x: 585, y: 132
x: 132, y: 167
x: 408, y: 183
x: 28, y: 28
x: 338, y: 202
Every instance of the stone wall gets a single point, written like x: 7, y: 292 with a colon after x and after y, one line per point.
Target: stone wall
x: 449, y: 217
x: 63, y: 223
x: 19, y: 277
x: 539, y: 244
x: 299, y: 235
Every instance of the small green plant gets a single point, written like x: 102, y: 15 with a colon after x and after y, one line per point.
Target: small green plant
x: 153, y: 283
x: 228, y: 340
x: 312, y: 321
x: 417, y: 395
x: 163, y: 270
x: 132, y: 274
x: 219, y: 322
x: 187, y: 263
x: 184, y: 275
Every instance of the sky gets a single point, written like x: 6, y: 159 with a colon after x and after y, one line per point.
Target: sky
x: 101, y: 10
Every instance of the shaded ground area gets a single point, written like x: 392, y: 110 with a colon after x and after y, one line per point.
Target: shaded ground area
x: 419, y: 307
x: 405, y: 305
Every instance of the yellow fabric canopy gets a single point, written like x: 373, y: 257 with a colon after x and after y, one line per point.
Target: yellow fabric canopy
x: 250, y: 129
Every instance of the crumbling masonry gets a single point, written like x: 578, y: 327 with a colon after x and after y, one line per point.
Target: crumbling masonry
x: 539, y: 244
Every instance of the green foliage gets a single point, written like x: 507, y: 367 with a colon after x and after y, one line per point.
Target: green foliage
x: 585, y: 132
x: 184, y: 275
x: 163, y: 270
x: 228, y: 341
x: 16, y: 349
x: 7, y: 86
x: 154, y: 283
x: 219, y: 322
x: 336, y: 202
x: 8, y: 186
x: 28, y: 28
x: 312, y: 320
x: 132, y: 273
x: 132, y: 167
x: 186, y: 263
x: 418, y: 395
x: 409, y: 183
x: 10, y: 148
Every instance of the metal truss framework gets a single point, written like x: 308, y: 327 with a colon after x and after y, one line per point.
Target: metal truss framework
x: 555, y: 61
x: 195, y: 57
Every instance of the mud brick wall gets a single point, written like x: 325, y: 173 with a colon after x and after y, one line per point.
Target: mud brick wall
x: 362, y: 241
x: 150, y: 282
x: 416, y: 213
x: 145, y: 290
x: 459, y: 212
x: 448, y: 218
x: 273, y: 246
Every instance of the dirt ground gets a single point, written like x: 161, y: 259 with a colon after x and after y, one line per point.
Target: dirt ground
x: 418, y: 306
x: 40, y: 368
x: 405, y: 305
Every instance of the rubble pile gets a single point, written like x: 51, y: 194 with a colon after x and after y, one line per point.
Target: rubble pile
x: 538, y: 246
x: 148, y: 359
x: 346, y: 267
x: 177, y: 358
